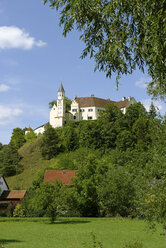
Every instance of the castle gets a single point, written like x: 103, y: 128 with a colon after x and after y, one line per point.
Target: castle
x: 82, y: 108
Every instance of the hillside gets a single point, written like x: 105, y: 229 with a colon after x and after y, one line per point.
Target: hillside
x: 32, y: 163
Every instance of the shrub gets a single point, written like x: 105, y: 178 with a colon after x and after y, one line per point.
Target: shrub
x: 18, y: 211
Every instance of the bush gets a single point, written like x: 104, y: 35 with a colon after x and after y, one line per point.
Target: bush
x: 18, y: 211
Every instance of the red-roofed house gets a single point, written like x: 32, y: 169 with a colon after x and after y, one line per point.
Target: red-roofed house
x: 63, y: 176
x: 11, y: 198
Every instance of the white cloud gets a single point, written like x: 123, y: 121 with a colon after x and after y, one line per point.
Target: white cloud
x: 14, y: 37
x: 8, y: 114
x: 4, y: 87
x: 160, y: 106
x: 142, y: 82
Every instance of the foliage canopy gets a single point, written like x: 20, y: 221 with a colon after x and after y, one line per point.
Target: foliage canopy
x: 120, y: 35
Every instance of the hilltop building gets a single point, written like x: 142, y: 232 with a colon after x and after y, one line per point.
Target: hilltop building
x: 82, y: 108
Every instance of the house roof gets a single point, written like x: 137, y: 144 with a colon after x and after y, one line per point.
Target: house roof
x: 63, y: 176
x: 13, y: 194
x: 99, y: 102
x: 1, y: 176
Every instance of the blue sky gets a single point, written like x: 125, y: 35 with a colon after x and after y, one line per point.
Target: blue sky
x: 35, y: 58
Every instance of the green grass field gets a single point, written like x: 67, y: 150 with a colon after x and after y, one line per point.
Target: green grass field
x: 77, y: 233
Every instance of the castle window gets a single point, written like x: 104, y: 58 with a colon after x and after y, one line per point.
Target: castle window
x: 74, y: 117
x: 82, y: 117
x: 90, y: 118
x: 82, y: 110
x: 90, y: 110
x: 99, y: 110
x: 74, y: 110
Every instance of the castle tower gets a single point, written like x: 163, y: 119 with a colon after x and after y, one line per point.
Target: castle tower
x: 57, y: 113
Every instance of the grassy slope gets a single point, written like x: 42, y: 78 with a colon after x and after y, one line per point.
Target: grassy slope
x: 76, y: 233
x: 32, y: 163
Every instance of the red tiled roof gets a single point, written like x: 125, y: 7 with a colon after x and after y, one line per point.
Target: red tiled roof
x: 99, y: 102
x: 13, y: 194
x: 63, y: 176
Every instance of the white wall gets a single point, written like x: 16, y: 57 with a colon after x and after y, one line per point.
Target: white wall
x: 39, y: 130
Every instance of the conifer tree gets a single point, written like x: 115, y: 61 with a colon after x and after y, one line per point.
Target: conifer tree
x: 49, y: 144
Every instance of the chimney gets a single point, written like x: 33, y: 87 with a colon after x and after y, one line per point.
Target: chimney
x: 92, y: 95
x: 129, y: 98
x: 123, y: 98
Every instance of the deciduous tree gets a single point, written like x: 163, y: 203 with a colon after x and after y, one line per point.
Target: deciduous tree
x: 18, y: 137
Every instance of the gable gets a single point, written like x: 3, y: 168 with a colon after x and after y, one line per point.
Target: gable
x: 3, y: 184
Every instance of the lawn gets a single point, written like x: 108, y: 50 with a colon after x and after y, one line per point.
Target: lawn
x: 77, y: 233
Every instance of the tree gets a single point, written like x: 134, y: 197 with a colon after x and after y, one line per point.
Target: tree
x: 111, y: 113
x: 116, y: 193
x: 85, y: 186
x: 152, y: 111
x: 10, y: 161
x: 155, y: 202
x: 46, y: 199
x: 70, y: 139
x: 67, y: 102
x: 133, y: 112
x: 43, y: 201
x: 125, y: 140
x: 49, y: 144
x: 89, y: 134
x: 141, y: 129
x: 30, y: 136
x: 18, y: 137
x: 120, y: 35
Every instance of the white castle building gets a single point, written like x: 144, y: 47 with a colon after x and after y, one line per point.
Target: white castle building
x: 82, y: 108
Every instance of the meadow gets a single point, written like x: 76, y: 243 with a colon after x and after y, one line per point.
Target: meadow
x: 77, y: 233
